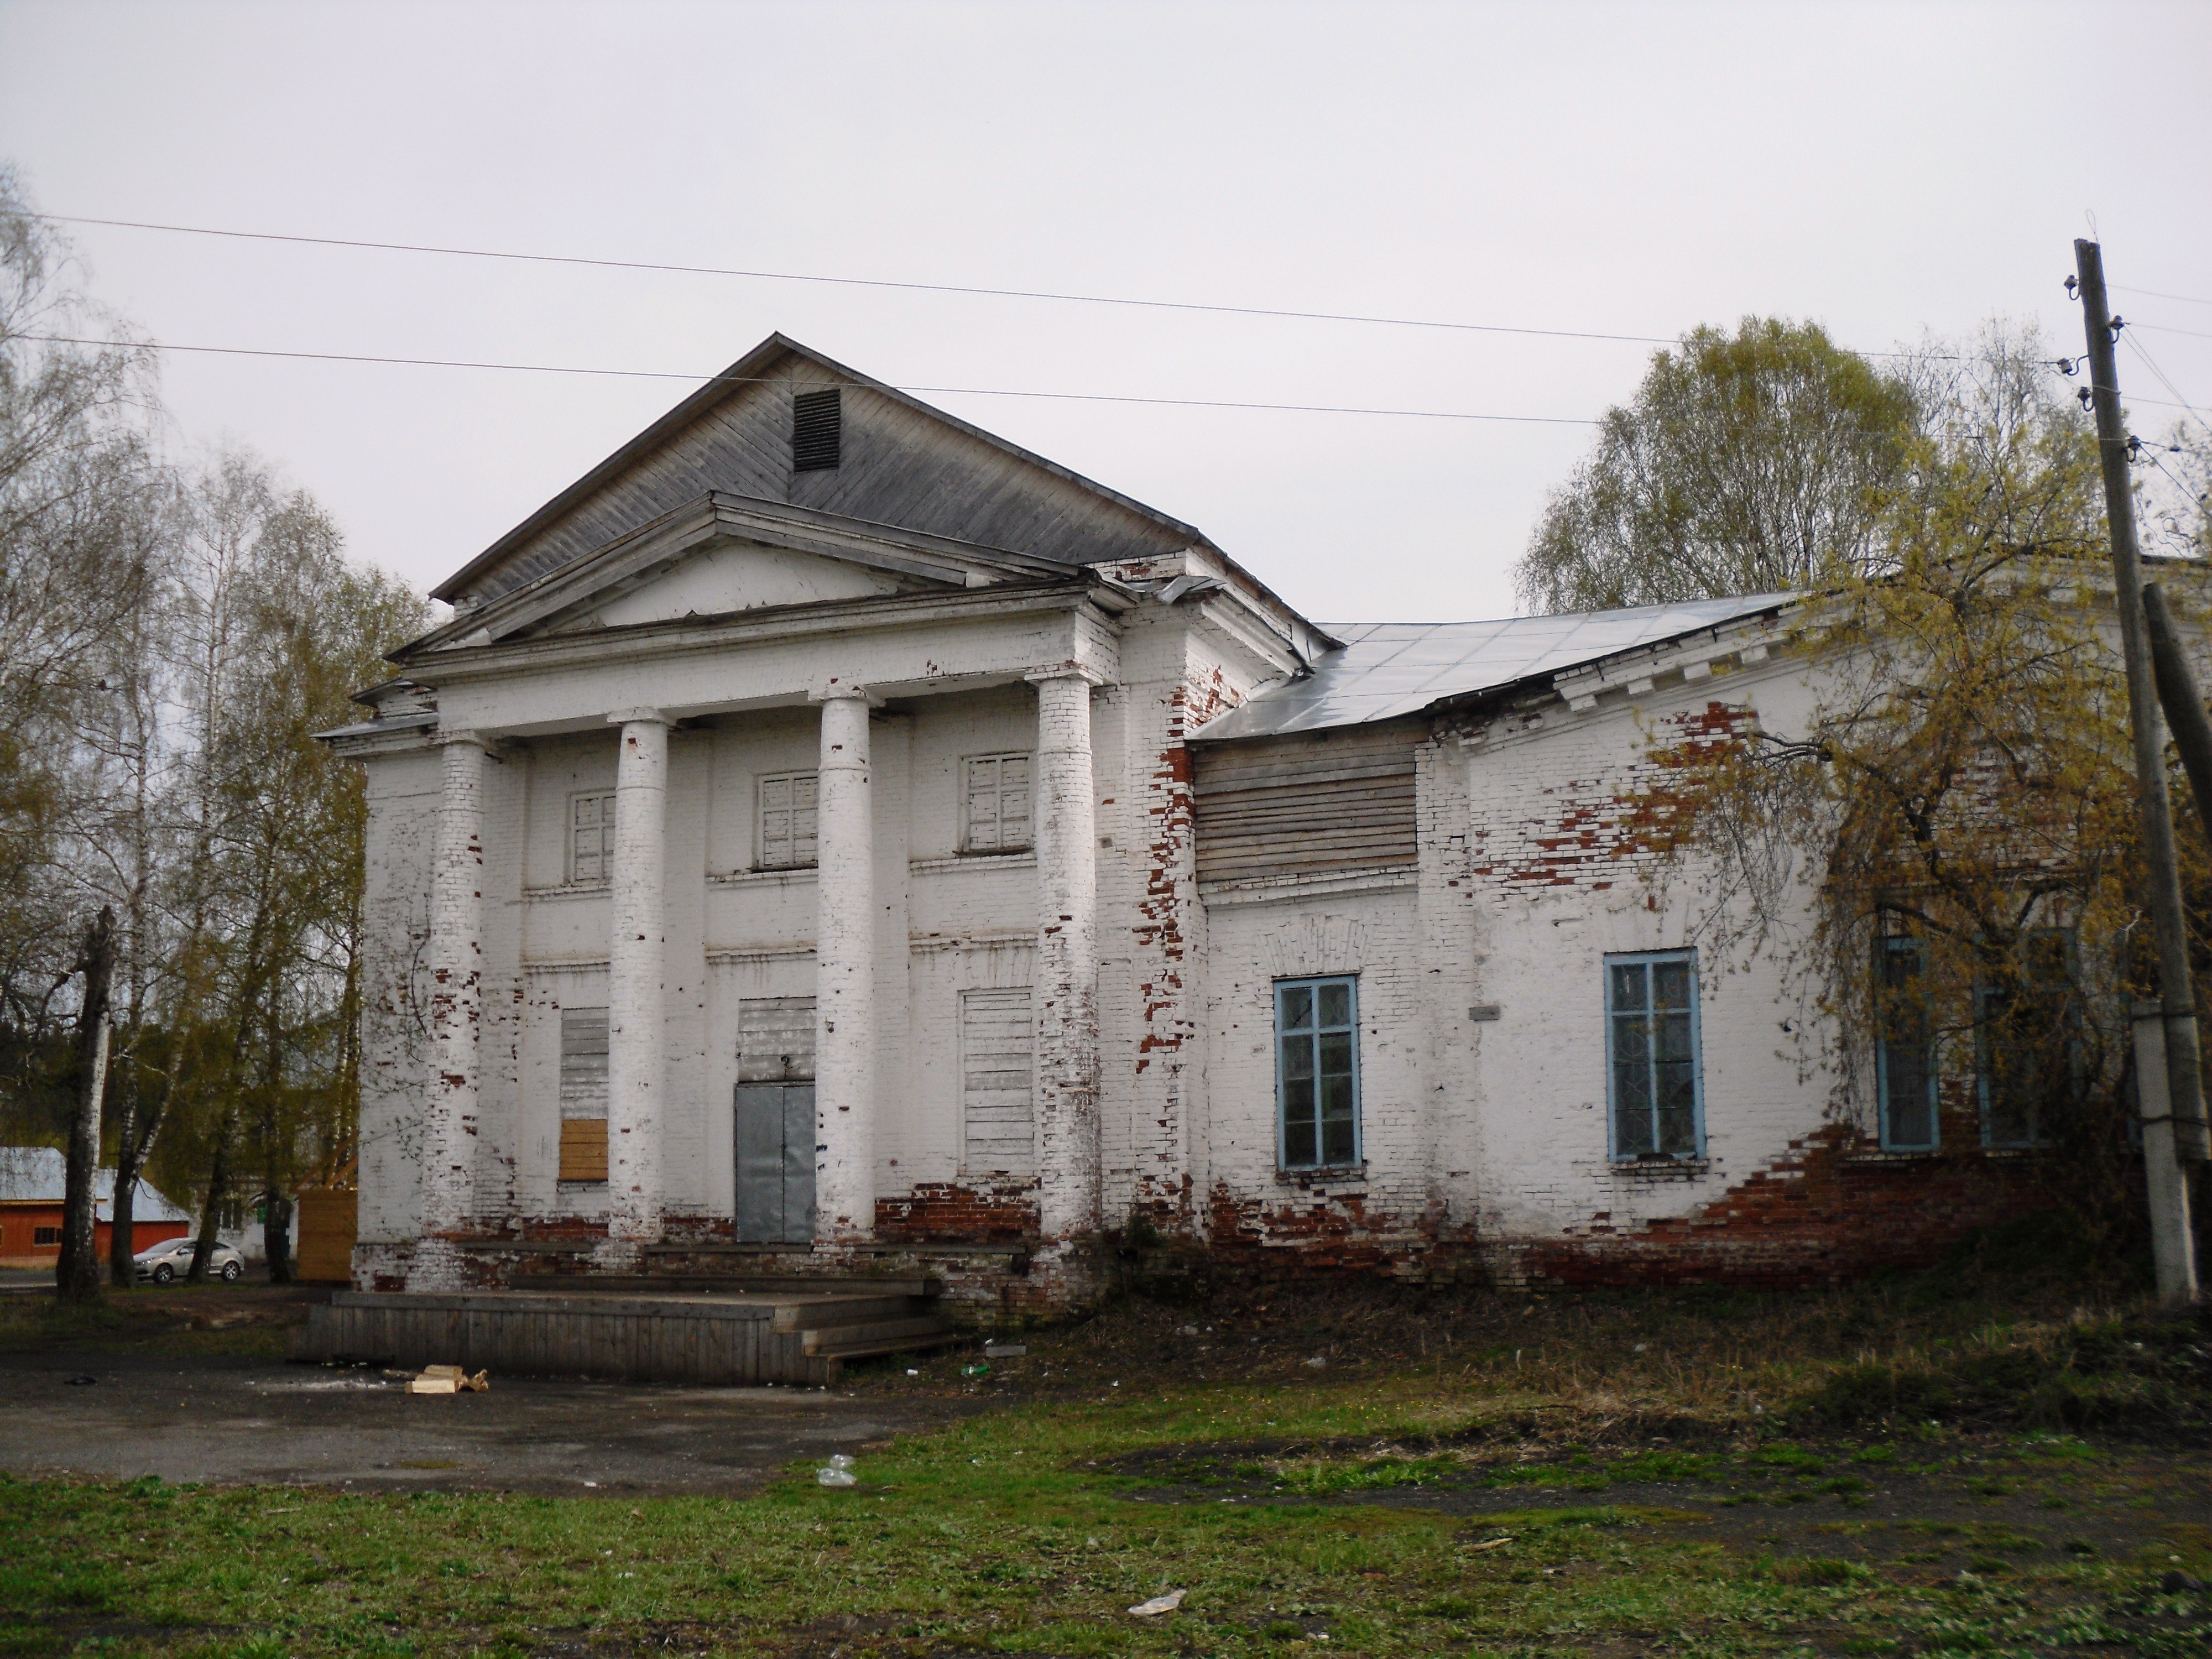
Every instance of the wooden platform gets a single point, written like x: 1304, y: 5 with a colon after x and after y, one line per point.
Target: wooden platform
x: 633, y: 1331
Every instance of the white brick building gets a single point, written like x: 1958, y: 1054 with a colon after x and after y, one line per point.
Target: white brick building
x: 828, y: 831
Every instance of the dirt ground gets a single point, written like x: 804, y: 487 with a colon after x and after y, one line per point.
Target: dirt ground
x: 189, y: 1384
x: 230, y: 1419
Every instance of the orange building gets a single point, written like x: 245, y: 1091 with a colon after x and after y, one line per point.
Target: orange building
x: 31, y: 1191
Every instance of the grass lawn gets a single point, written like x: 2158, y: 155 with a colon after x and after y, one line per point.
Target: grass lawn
x: 1968, y: 1462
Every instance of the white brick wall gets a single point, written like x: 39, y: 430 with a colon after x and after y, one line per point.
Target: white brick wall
x: 1558, y: 888
x: 1498, y: 1129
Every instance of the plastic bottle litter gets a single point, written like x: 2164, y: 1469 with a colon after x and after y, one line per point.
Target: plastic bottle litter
x: 1159, y: 1604
x: 837, y: 1472
x: 980, y: 1368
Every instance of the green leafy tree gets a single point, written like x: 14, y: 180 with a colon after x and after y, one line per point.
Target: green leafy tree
x: 1946, y: 853
x: 278, y: 629
x: 170, y: 640
x: 1756, y: 462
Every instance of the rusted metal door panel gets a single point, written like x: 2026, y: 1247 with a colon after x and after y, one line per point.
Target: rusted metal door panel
x: 775, y: 1163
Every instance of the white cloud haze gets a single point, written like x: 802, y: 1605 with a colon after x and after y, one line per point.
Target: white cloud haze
x: 1629, y: 168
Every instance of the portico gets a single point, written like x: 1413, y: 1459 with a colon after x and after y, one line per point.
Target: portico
x: 1050, y: 650
x: 742, y: 856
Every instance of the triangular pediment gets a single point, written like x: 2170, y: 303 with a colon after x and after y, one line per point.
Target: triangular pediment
x: 724, y: 576
x: 723, y: 555
x: 901, y: 464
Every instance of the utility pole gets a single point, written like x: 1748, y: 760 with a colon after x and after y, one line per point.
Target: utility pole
x: 2172, y: 1028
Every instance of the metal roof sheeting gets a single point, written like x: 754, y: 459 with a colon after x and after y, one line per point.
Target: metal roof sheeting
x: 1389, y: 670
x: 39, y: 1174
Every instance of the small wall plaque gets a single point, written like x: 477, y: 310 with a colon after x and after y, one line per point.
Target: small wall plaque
x: 1485, y: 1011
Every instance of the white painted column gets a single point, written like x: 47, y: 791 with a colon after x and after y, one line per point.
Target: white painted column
x: 636, y: 1063
x: 456, y: 965
x: 1067, y: 993
x: 844, y: 977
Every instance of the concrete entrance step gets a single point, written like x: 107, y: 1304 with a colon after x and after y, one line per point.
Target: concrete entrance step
x: 806, y: 1313
x: 732, y: 1337
x: 883, y: 1336
x: 726, y: 1282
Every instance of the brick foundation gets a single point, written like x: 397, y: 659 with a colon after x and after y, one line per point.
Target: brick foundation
x: 1834, y: 1209
x: 950, y: 1213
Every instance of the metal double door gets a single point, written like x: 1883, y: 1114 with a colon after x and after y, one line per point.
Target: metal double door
x: 775, y: 1163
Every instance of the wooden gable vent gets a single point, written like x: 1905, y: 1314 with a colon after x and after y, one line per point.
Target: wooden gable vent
x: 817, y: 423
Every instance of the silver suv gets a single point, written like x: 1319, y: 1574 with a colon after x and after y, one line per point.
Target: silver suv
x: 172, y: 1258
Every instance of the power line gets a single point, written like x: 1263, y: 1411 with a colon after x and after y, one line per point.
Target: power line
x: 858, y: 281
x: 2167, y: 328
x: 750, y: 380
x: 2187, y: 300
x: 2149, y: 362
x: 919, y: 391
x: 887, y: 282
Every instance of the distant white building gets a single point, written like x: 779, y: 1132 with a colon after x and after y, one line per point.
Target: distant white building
x: 826, y: 833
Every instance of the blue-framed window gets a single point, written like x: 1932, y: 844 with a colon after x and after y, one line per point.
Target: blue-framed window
x: 1904, y: 1049
x: 2028, y: 1049
x: 1317, y: 1072
x: 1655, y: 1095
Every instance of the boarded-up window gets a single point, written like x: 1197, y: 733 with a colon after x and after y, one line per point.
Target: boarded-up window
x: 1341, y: 800
x: 775, y: 1040
x: 996, y: 815
x: 583, y: 1094
x: 789, y: 837
x: 997, y: 1050
x: 591, y: 838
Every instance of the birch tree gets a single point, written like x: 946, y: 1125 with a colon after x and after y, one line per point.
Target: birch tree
x: 1757, y: 462
x: 170, y: 638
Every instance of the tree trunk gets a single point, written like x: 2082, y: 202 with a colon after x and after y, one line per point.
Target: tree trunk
x: 76, y: 1274
x: 277, y: 1209
x: 133, y: 1147
x: 123, y: 1234
x: 218, y: 1189
x: 276, y: 1232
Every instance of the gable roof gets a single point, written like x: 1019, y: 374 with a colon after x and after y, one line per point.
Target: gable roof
x: 40, y: 1175
x: 1387, y: 670
x: 505, y: 563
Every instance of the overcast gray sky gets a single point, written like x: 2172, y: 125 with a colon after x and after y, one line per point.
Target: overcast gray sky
x: 1629, y: 169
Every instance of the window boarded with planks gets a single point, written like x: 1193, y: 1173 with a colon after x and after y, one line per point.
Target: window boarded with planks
x: 997, y: 1064
x: 584, y: 1094
x: 1341, y: 800
x: 775, y: 1040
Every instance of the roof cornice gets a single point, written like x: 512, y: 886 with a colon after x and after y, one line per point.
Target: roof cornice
x: 660, y: 542
x: 822, y: 619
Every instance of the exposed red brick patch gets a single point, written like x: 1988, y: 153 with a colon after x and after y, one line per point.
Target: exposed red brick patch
x: 1831, y: 1209
x: 1327, y: 1235
x: 1596, y: 828
x: 1004, y: 1211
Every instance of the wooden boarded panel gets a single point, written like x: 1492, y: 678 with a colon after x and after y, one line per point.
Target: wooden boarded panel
x: 997, y: 1072
x: 775, y: 1040
x: 583, y: 1094
x: 329, y: 1219
x: 1342, y: 799
x: 583, y: 1149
